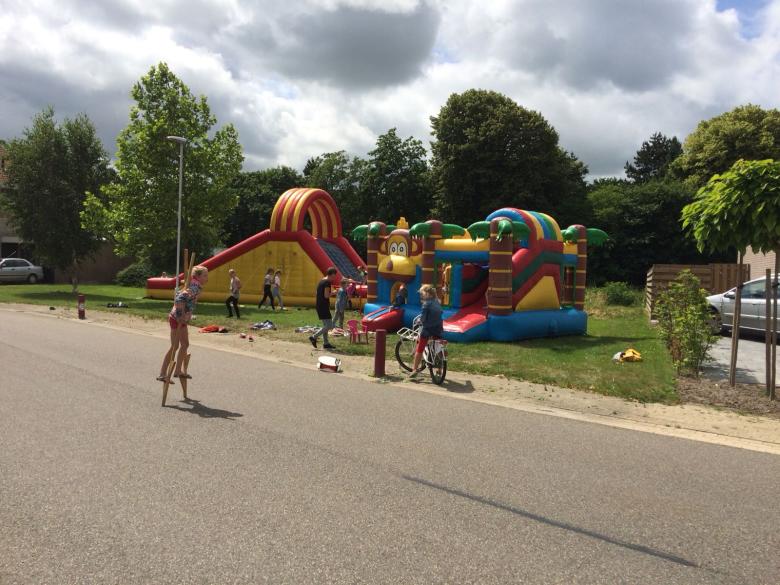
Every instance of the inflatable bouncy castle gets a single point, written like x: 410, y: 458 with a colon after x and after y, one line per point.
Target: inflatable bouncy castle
x: 302, y: 255
x: 515, y: 275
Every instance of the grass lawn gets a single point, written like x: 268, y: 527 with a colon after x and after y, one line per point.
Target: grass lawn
x: 582, y: 362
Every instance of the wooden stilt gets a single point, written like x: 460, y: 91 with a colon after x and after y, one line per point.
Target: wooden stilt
x: 183, y: 379
x: 167, y: 381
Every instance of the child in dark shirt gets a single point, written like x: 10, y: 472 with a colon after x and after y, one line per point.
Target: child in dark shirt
x: 432, y: 324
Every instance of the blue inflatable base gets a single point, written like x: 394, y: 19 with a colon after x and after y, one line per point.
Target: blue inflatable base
x: 514, y: 327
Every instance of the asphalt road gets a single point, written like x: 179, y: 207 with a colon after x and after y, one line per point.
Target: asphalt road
x: 283, y: 475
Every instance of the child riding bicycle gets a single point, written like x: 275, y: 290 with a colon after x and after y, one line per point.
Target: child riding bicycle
x: 432, y: 325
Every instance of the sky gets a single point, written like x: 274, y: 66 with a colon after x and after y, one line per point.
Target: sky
x: 304, y: 77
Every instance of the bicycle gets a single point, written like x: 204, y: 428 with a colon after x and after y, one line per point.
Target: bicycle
x: 434, y: 355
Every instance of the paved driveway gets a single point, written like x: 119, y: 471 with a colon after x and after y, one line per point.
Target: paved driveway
x: 750, y: 359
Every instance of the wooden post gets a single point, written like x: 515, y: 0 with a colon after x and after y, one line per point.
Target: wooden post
x: 768, y: 289
x: 735, y: 326
x: 774, y: 327
x: 379, y: 353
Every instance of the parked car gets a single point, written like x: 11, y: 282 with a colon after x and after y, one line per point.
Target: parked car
x: 19, y: 270
x: 753, y: 312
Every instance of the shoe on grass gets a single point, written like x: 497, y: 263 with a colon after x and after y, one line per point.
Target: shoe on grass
x: 313, y: 341
x: 328, y: 346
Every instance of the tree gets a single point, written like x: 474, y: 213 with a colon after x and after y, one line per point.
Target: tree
x: 257, y: 193
x: 652, y: 160
x: 139, y: 211
x: 746, y: 132
x: 489, y: 152
x: 642, y: 221
x: 395, y: 181
x: 737, y: 209
x: 51, y: 171
x: 339, y: 175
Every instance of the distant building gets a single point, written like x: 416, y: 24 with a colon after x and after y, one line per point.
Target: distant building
x: 759, y: 262
x: 9, y: 241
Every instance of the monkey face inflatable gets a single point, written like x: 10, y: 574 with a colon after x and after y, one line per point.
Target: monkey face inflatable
x: 399, y: 256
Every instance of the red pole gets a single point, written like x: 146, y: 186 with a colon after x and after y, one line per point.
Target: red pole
x: 82, y: 303
x: 379, y: 353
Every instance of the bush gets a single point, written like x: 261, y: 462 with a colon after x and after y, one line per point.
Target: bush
x: 619, y: 293
x: 135, y: 274
x: 684, y: 321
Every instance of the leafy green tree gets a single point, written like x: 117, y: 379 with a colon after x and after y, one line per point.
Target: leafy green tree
x: 746, y: 132
x: 489, y: 152
x: 395, y: 182
x: 684, y: 321
x: 257, y: 192
x: 139, y: 211
x: 738, y: 208
x: 642, y: 222
x: 52, y: 169
x: 652, y: 160
x: 339, y: 175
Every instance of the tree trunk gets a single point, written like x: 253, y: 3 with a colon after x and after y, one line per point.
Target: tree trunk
x: 768, y: 290
x: 774, y: 327
x: 735, y: 325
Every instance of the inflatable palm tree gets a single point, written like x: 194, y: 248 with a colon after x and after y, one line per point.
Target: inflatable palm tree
x: 503, y: 232
x: 584, y: 237
x: 430, y: 231
x: 373, y: 232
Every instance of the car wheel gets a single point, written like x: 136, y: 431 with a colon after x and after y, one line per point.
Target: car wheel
x: 716, y: 321
x: 32, y: 279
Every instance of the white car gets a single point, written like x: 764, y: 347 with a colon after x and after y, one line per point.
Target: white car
x: 19, y: 270
x: 753, y: 312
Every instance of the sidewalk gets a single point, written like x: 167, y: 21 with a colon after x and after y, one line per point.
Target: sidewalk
x: 690, y: 421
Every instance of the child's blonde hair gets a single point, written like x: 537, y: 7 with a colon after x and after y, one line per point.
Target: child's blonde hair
x: 427, y: 290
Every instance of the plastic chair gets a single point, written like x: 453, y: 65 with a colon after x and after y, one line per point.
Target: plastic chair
x: 356, y: 334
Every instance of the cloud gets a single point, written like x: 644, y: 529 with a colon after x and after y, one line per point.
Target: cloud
x: 353, y: 47
x: 312, y: 76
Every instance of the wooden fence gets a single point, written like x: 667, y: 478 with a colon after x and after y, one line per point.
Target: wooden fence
x: 714, y: 278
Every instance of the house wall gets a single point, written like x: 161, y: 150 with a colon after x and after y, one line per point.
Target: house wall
x: 759, y: 262
x: 3, y: 165
x: 101, y: 269
x: 9, y: 241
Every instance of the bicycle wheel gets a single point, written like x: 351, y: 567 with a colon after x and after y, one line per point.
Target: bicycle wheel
x: 404, y: 353
x: 438, y: 368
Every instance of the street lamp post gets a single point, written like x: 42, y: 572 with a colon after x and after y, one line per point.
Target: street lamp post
x: 181, y: 141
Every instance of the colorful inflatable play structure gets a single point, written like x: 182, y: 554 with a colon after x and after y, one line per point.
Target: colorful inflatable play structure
x: 515, y: 275
x: 302, y: 255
